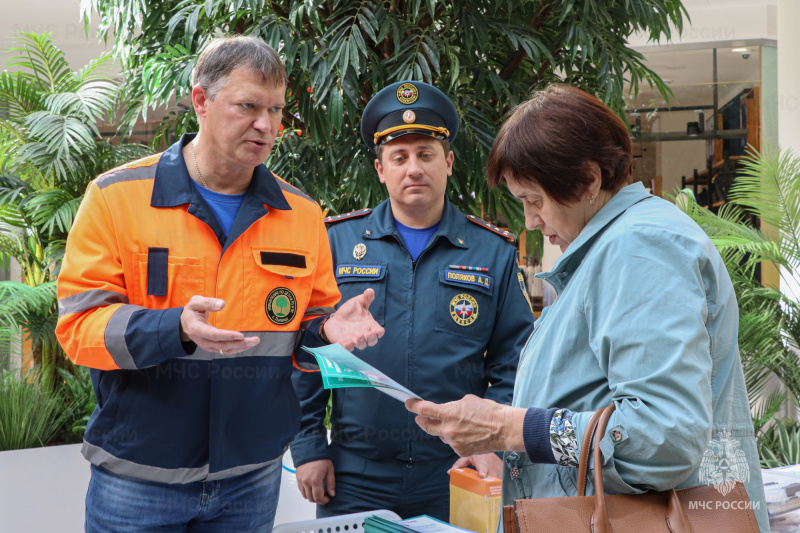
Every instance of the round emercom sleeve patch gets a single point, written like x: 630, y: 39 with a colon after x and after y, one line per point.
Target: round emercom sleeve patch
x: 464, y: 309
x: 281, y: 306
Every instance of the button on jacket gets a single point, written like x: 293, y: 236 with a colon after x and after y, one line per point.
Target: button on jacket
x: 144, y: 241
x: 439, y: 322
x: 646, y: 316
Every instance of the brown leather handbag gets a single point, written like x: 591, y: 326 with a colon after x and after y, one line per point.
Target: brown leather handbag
x: 701, y: 509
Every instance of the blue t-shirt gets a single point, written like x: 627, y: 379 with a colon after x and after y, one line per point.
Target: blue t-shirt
x: 224, y: 206
x: 416, y: 239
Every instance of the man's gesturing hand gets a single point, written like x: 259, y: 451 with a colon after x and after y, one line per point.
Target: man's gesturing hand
x: 195, y: 327
x: 352, y: 325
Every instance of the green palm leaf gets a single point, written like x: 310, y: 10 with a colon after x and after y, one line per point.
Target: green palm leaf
x: 92, y: 102
x: 766, y: 189
x: 53, y: 210
x: 50, y: 153
x: 19, y: 95
x: 12, y: 244
x: 48, y: 66
x: 769, y: 188
x: 60, y: 134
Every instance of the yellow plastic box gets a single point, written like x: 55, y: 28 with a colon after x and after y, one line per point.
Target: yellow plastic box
x: 474, y: 501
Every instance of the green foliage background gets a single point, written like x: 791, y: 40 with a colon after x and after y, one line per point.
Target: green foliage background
x: 766, y: 189
x: 50, y: 148
x: 487, y: 55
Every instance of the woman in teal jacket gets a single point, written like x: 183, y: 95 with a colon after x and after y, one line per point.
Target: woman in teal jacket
x: 645, y: 317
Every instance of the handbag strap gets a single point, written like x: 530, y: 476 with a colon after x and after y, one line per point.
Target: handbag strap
x: 583, y: 460
x: 510, y: 524
x: 675, y: 517
x: 600, y: 523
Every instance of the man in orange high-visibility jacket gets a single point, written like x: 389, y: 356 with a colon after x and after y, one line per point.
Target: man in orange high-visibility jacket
x: 189, y: 279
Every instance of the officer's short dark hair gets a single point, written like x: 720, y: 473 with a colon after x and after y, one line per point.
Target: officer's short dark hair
x: 550, y: 140
x: 221, y: 56
x: 444, y: 142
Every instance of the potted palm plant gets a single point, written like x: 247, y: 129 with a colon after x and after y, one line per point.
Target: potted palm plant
x: 50, y: 148
x: 766, y: 189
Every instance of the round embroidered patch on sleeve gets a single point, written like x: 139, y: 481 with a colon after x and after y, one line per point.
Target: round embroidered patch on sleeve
x: 464, y: 309
x: 521, y: 280
x: 281, y: 306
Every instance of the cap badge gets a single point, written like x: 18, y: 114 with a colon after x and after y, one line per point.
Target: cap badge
x: 407, y: 93
x: 409, y: 117
x: 359, y: 251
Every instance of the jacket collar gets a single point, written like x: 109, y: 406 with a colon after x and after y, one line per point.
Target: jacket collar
x: 566, y: 265
x: 173, y: 186
x: 452, y: 226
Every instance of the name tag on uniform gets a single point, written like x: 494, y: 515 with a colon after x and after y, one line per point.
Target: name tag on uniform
x: 469, y: 278
x: 359, y: 271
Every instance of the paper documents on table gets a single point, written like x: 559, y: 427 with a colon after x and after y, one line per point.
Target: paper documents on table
x: 418, y: 524
x: 340, y: 368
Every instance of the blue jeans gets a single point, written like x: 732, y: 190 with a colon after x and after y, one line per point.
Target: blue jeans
x: 121, y: 504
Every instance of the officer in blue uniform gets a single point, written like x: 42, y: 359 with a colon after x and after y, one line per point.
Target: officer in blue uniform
x: 451, y: 298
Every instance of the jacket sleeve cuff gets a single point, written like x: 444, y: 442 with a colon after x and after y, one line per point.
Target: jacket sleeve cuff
x: 310, y: 338
x: 143, y: 327
x: 536, y: 435
x: 169, y: 334
x: 310, y: 448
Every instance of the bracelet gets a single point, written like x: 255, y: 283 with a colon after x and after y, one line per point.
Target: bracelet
x: 322, y: 330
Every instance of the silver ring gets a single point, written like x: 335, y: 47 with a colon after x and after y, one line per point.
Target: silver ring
x: 220, y: 352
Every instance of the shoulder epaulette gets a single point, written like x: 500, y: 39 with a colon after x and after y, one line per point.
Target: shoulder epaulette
x: 491, y: 227
x: 346, y: 216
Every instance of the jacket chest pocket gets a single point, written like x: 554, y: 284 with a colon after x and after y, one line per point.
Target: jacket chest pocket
x: 282, y: 284
x: 464, y: 304
x: 161, y: 280
x: 354, y: 279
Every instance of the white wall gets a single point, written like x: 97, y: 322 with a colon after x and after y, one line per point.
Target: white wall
x: 679, y: 158
x: 61, y: 18
x: 722, y: 21
x: 789, y: 101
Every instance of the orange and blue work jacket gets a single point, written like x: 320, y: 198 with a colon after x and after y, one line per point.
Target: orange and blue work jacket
x: 143, y: 243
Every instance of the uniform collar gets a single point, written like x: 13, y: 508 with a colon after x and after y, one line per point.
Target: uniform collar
x: 577, y: 250
x: 173, y: 185
x: 452, y: 225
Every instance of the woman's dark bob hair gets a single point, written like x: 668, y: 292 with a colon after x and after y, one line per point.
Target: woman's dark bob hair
x: 550, y: 140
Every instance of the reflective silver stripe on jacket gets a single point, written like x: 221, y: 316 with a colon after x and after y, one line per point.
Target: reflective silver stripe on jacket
x: 319, y: 311
x: 115, y: 336
x: 99, y: 457
x: 273, y: 344
x: 285, y: 187
x: 127, y: 174
x: 89, y: 300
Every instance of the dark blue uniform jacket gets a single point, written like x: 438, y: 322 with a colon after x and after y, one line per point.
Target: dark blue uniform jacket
x: 449, y: 332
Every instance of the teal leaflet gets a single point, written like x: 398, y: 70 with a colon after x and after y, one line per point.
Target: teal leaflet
x: 340, y: 368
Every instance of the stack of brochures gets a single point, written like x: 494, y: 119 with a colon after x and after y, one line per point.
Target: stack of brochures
x: 782, y: 489
x: 419, y: 524
x: 340, y: 368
